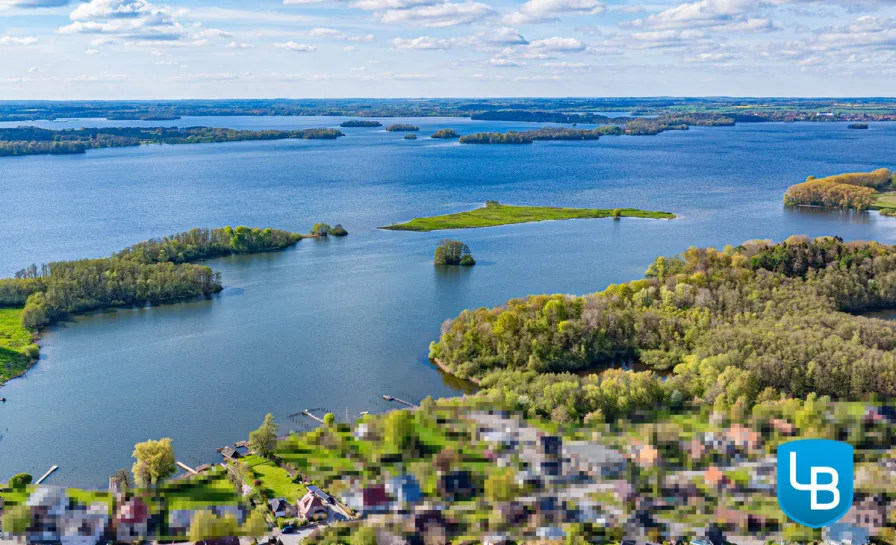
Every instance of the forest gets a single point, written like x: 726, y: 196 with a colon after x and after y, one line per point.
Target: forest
x: 402, y: 127
x: 152, y: 271
x: 37, y: 141
x: 717, y: 327
x: 445, y: 133
x: 509, y: 137
x: 854, y: 190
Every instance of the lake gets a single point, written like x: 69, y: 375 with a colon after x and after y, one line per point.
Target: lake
x: 335, y: 324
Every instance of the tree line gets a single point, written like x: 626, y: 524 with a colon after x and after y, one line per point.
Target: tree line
x: 152, y: 271
x: 38, y: 141
x: 725, y: 326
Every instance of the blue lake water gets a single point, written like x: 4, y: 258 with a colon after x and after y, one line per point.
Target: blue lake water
x: 336, y: 323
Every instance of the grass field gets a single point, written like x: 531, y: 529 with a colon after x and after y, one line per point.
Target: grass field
x: 210, y: 488
x: 886, y: 200
x: 275, y: 479
x: 14, y: 344
x: 502, y: 214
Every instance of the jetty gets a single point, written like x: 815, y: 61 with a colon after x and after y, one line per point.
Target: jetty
x: 308, y: 414
x: 393, y: 398
x: 187, y: 468
x: 47, y: 474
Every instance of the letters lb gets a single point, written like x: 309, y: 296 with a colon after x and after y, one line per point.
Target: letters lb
x: 815, y: 480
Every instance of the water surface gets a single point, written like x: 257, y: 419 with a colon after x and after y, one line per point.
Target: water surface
x: 337, y: 323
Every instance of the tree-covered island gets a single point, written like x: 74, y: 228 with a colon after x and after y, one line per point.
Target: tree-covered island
x: 445, y: 133
x: 360, y: 123
x: 854, y: 190
x: 494, y: 214
x: 402, y: 127
x: 153, y: 271
x: 453, y: 252
x: 37, y: 141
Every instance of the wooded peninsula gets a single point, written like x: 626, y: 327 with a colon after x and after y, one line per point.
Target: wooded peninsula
x: 494, y: 214
x: 37, y: 141
x: 736, y: 326
x: 152, y: 271
x: 853, y: 190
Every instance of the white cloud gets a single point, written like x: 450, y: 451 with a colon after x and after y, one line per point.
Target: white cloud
x: 92, y: 52
x: 482, y: 41
x: 381, y: 5
x: 505, y: 63
x: 240, y: 45
x: 15, y: 40
x: 293, y: 46
x: 350, y: 48
x: 439, y: 15
x: 422, y: 43
x: 567, y: 65
x: 558, y: 44
x: 546, y: 11
x: 320, y: 32
x: 33, y: 3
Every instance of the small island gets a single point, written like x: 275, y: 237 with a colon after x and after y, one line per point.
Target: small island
x: 494, y: 214
x: 37, y: 141
x: 410, y: 136
x: 445, y: 133
x: 544, y: 133
x: 324, y: 230
x: 857, y: 126
x: 360, y: 123
x: 453, y: 252
x: 401, y: 127
x: 853, y: 190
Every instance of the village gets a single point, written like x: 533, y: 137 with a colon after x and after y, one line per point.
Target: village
x: 459, y: 472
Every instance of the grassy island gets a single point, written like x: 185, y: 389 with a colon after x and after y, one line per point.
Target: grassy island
x: 360, y: 123
x: 494, y: 213
x: 854, y: 190
x: 37, y: 141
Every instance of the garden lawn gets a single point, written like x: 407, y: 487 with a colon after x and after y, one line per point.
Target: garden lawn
x: 209, y: 488
x: 275, y: 480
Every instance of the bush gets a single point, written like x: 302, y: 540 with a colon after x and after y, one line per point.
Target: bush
x: 20, y: 480
x: 32, y: 351
x: 320, y: 229
x: 338, y: 231
x: 467, y: 261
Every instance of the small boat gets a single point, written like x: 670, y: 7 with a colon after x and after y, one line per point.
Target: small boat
x: 388, y: 397
x: 2, y: 400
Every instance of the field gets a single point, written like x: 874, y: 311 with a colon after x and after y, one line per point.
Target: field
x: 14, y: 344
x: 274, y: 479
x: 494, y: 214
x: 886, y: 200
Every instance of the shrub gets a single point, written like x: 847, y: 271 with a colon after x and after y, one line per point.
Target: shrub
x: 20, y: 480
x: 467, y: 261
x: 338, y: 231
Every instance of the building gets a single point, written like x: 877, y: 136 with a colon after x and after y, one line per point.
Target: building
x: 593, y: 459
x: 404, y: 489
x: 311, y: 507
x: 281, y: 508
x: 131, y: 521
x: 320, y: 493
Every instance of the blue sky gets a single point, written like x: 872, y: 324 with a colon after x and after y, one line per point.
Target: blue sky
x: 108, y: 49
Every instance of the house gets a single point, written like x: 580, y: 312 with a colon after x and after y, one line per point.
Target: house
x: 56, y: 519
x: 326, y: 498
x: 548, y: 455
x: 783, y: 427
x: 404, y: 489
x: 744, y: 438
x: 231, y: 453
x: 845, y: 534
x: 371, y: 499
x: 457, y: 485
x: 311, y: 507
x: 281, y: 508
x: 131, y: 521
x: 868, y: 514
x: 716, y: 478
x: 647, y: 455
x: 593, y: 459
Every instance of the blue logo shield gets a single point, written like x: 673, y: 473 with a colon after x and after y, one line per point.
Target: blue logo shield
x: 815, y: 480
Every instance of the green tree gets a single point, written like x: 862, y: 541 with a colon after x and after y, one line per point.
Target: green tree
x: 156, y: 461
x: 20, y: 480
x: 16, y: 520
x: 450, y: 252
x: 501, y: 486
x: 321, y: 229
x: 121, y: 478
x: 329, y: 419
x: 255, y: 525
x: 264, y: 439
x: 364, y: 535
x: 207, y: 525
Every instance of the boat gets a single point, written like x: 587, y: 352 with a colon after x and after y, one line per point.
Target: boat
x: 388, y: 397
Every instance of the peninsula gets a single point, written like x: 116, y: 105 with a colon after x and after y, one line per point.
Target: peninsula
x: 37, y: 141
x: 853, y: 190
x: 494, y: 214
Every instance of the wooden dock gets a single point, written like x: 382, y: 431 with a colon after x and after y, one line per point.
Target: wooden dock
x: 47, y: 474
x: 187, y: 468
x: 393, y: 398
x: 308, y: 414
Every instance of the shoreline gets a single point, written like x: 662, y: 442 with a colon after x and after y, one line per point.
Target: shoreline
x: 440, y: 365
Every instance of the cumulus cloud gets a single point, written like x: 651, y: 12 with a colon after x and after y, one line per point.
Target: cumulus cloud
x: 445, y: 14
x: 546, y: 11
x: 138, y: 20
x: 15, y: 40
x: 501, y: 62
x: 557, y: 44
x: 297, y: 47
x: 721, y: 15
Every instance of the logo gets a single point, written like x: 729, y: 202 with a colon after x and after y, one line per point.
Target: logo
x: 815, y: 480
